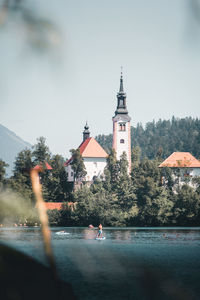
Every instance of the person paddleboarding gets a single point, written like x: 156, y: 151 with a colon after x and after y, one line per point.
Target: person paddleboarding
x: 100, y: 231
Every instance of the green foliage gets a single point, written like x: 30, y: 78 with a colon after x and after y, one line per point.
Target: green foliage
x: 105, y: 141
x: 77, y: 164
x: 112, y: 167
x: 160, y: 139
x: 187, y: 206
x: 41, y: 152
x: 135, y: 155
x: 20, y: 182
x: 57, y: 185
x: 149, y: 196
x: 3, y: 166
x: 54, y: 182
x: 15, y: 209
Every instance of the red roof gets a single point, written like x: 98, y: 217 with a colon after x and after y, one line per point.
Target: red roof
x: 90, y: 148
x: 40, y: 167
x: 180, y: 160
x: 56, y: 205
x: 84, y: 144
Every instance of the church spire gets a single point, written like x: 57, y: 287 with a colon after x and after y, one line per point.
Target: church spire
x: 121, y: 126
x: 86, y: 132
x: 121, y: 99
x: 121, y: 89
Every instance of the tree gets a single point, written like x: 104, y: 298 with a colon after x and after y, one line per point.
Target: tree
x: 154, y: 204
x: 20, y: 181
x: 162, y: 138
x: 124, y: 187
x: 112, y: 166
x: 41, y: 151
x: 3, y: 166
x: 41, y: 154
x: 135, y: 155
x: 186, y: 206
x: 57, y: 185
x: 123, y: 165
x: 78, y: 165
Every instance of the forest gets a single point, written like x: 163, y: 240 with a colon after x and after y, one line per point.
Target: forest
x: 118, y: 199
x: 165, y: 136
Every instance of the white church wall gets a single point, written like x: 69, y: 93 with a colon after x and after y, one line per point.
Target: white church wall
x: 94, y: 167
x: 70, y: 173
x: 122, y: 140
x: 195, y: 172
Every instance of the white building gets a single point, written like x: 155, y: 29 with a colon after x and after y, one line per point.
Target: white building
x: 94, y: 158
x: 184, y: 162
x: 122, y: 127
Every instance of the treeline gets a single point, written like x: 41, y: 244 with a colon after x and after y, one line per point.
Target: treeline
x: 163, y: 137
x: 137, y: 200
x: 17, y: 203
x: 142, y: 199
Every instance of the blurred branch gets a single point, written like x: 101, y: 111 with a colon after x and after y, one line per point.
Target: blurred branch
x: 40, y: 33
x: 195, y: 7
x: 37, y: 189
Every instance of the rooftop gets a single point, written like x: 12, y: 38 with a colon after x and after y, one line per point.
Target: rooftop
x: 180, y: 160
x: 90, y: 148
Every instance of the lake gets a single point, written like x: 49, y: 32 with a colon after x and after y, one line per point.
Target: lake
x: 131, y: 263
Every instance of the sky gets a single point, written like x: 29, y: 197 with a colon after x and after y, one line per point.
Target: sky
x: 52, y: 93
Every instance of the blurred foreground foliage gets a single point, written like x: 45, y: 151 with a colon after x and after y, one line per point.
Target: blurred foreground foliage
x: 141, y: 199
x: 39, y: 33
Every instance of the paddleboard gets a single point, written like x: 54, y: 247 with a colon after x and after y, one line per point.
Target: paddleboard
x: 100, y: 238
x: 62, y: 233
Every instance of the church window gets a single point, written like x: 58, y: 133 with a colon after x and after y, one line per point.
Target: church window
x: 122, y: 141
x: 122, y: 126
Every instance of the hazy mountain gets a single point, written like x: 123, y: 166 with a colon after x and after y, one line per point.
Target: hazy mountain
x: 10, y: 146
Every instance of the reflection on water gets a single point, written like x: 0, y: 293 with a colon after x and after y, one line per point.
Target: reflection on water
x: 132, y: 263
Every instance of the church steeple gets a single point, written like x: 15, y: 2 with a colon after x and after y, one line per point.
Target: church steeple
x: 86, y: 132
x: 121, y: 126
x: 121, y: 89
x: 121, y: 99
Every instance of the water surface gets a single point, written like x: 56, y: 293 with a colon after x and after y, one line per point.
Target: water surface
x: 132, y: 263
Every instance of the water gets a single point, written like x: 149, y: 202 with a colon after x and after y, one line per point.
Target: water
x: 132, y: 263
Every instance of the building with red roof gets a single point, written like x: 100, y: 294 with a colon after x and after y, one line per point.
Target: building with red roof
x: 58, y: 205
x: 188, y: 165
x: 94, y: 158
x: 53, y: 205
x: 42, y: 166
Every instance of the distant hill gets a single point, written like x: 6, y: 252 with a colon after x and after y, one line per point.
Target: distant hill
x: 164, y: 137
x: 10, y: 146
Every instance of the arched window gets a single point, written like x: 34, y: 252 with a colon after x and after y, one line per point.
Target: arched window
x: 122, y: 141
x: 122, y: 126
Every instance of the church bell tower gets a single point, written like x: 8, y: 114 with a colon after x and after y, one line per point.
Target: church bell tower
x: 122, y: 127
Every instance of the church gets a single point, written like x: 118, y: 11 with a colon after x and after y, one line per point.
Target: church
x: 94, y: 156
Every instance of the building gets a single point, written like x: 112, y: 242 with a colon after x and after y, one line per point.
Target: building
x: 59, y: 205
x: 122, y: 127
x: 42, y: 167
x: 184, y: 162
x: 94, y: 158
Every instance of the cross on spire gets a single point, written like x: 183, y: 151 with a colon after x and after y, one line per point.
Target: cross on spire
x: 121, y: 89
